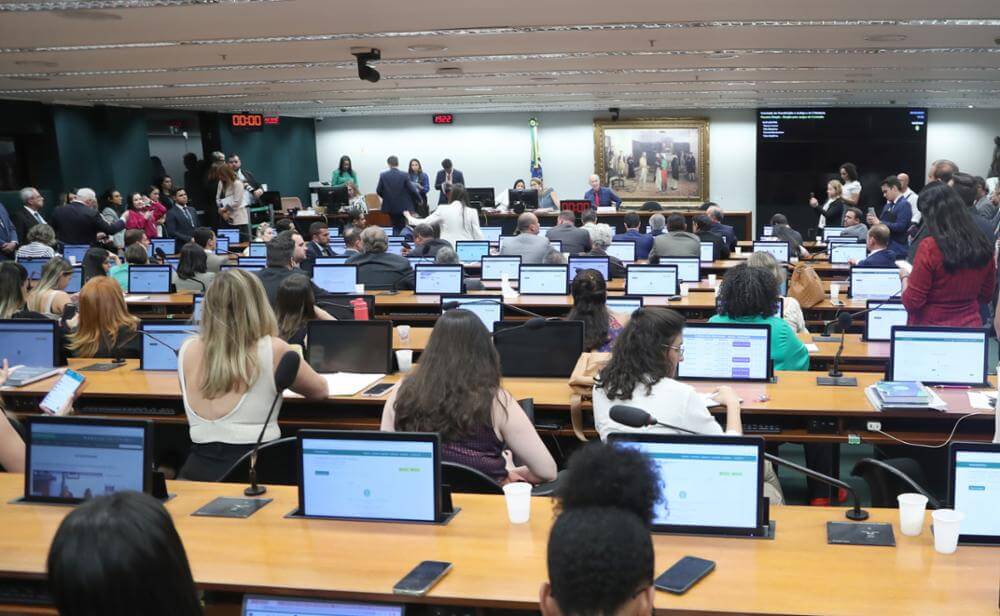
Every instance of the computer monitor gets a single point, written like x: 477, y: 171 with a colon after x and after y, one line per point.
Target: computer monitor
x: 196, y: 307
x: 779, y: 250
x: 75, y: 280
x: 25, y: 342
x: 369, y: 475
x: 261, y: 605
x: 874, y: 282
x: 504, y: 238
x: 173, y: 262
x: 768, y: 230
x: 233, y: 235
x: 481, y: 198
x: 623, y: 251
x: 158, y: 350
x: 252, y: 261
x: 331, y: 261
x: 395, y: 248
x: 841, y: 252
x: 75, y: 252
x: 711, y: 485
x: 34, y: 266
x: 241, y: 266
x: 577, y: 206
x: 844, y: 239
x: 222, y: 245
x: 521, y: 200
x: 829, y: 232
x: 350, y: 346
x: 651, y: 279
x: 881, y: 315
x: 488, y: 309
x: 624, y: 304
x: 335, y: 278
x: 337, y: 245
x: 688, y: 268
x: 938, y: 355
x: 493, y: 268
x: 438, y: 280
x: 258, y: 249
x: 471, y: 251
x: 974, y: 490
x: 726, y: 352
x: 333, y: 198
x: 543, y: 280
x: 149, y: 279
x: 71, y: 459
x: 707, y: 252
x: 601, y: 264
x: 491, y: 234
x: 167, y: 244
x: 538, y: 348
x: 415, y: 261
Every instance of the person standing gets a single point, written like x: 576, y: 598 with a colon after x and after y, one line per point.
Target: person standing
x: 643, y: 171
x: 231, y: 198
x: 344, y: 173
x: 398, y: 193
x: 446, y: 178
x: 851, y: 192
x: 456, y: 220
x: 182, y: 219
x: 896, y: 215
x: 422, y: 182
x: 250, y: 183
x: 79, y: 222
x: 24, y: 218
x: 832, y: 212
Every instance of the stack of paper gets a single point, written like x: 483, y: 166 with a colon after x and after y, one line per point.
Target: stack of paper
x: 345, y: 383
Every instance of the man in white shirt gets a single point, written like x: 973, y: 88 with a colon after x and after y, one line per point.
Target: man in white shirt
x: 904, y: 181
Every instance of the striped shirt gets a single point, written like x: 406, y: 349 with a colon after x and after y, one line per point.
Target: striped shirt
x: 34, y: 250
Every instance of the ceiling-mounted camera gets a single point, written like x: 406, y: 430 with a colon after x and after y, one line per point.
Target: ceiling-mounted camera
x: 615, y: 112
x: 364, y: 56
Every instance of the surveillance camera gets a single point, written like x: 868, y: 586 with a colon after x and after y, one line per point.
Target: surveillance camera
x: 615, y: 112
x: 364, y: 56
x: 319, y: 119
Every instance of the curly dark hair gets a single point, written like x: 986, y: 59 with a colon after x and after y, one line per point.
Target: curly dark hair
x: 590, y: 296
x: 606, y: 475
x: 452, y: 390
x: 748, y: 292
x: 640, y: 355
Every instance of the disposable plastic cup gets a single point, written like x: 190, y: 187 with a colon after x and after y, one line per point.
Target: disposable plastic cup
x: 834, y: 291
x: 712, y: 279
x: 405, y: 359
x: 685, y: 289
x: 911, y: 513
x: 359, y: 289
x: 947, y: 523
x: 518, y: 497
x: 739, y: 250
x: 404, y: 333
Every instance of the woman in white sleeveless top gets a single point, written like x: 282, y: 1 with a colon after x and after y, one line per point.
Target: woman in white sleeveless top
x: 456, y: 220
x: 227, y: 376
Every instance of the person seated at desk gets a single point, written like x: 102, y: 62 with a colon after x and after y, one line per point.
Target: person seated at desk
x: 378, y: 269
x: 41, y: 238
x: 120, y: 554
x: 192, y: 270
x: 600, y: 326
x: 97, y: 262
x: 426, y: 240
x: 226, y: 374
x: 853, y: 225
x: 676, y: 242
x: 782, y: 231
x: 456, y: 220
x: 726, y: 232
x: 503, y: 197
x: 480, y: 423
x: 134, y: 255
x: 11, y: 443
x: 447, y: 256
x: 294, y: 307
x: 601, y: 238
x: 49, y: 297
x: 264, y: 234
x: 792, y: 310
x: 878, y: 248
x: 528, y: 243
x: 643, y: 242
x: 352, y: 241
x: 657, y: 225
x: 14, y: 292
x: 319, y: 242
x: 601, y: 196
x: 574, y: 241
x: 285, y: 254
x: 205, y: 237
x: 547, y: 199
x: 106, y: 329
x: 701, y: 225
x: 607, y: 495
x: 588, y: 220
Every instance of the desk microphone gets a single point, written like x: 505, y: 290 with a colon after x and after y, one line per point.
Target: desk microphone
x: 489, y: 300
x: 119, y: 359
x: 637, y: 418
x: 533, y: 323
x: 836, y: 320
x: 284, y: 376
x: 835, y: 376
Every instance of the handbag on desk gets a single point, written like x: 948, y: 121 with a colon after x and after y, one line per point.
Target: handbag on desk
x: 581, y: 382
x: 805, y: 286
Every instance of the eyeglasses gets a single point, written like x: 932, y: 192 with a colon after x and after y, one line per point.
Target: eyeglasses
x: 679, y: 349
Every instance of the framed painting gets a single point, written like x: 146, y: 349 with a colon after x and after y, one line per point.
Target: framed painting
x: 653, y: 159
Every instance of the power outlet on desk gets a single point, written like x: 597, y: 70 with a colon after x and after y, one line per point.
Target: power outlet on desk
x: 874, y: 426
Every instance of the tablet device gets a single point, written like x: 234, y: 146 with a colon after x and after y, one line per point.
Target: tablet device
x: 880, y: 318
x: 688, y: 268
x: 726, y: 352
x: 623, y: 251
x: 974, y: 489
x: 167, y: 244
x: 369, y: 475
x: 232, y: 235
x: 651, y: 279
x: 538, y: 348
x: 221, y: 245
x: 711, y: 485
x: 75, y: 251
x: 161, y: 341
x: 349, y: 346
x: 438, y: 280
x: 488, y: 309
x: 335, y: 278
x: 261, y: 605
x: 491, y: 234
x: 874, y: 282
x: 829, y: 232
x: 543, y: 280
x: 331, y: 260
x: 70, y: 459
x: 75, y: 280
x: 149, y: 279
x: 601, y: 264
x: 779, y: 250
x: 196, y: 308
x: 259, y: 249
x: 471, y: 252
x: 624, y: 304
x: 843, y: 252
x: 493, y: 268
x: 938, y: 355
x: 707, y: 252
x: 28, y: 342
x: 34, y: 266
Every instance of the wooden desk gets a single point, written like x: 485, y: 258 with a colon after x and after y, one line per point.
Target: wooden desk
x: 159, y: 305
x: 824, y: 269
x: 500, y: 565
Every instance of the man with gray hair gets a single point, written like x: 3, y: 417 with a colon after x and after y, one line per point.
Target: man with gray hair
x: 79, y: 222
x: 656, y: 224
x: 527, y: 244
x: 602, y: 235
x: 31, y: 214
x: 724, y: 231
x: 378, y: 269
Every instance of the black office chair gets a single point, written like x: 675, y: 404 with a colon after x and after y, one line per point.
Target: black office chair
x: 887, y: 479
x: 276, y: 465
x: 651, y: 206
x: 467, y: 480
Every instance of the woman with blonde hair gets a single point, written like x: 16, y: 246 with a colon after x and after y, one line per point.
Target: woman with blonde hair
x: 231, y: 199
x: 832, y: 212
x: 49, y: 297
x: 14, y: 292
x: 106, y: 329
x: 226, y: 374
x: 791, y: 311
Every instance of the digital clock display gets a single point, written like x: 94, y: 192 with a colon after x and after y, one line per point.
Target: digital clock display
x: 246, y: 121
x: 443, y: 118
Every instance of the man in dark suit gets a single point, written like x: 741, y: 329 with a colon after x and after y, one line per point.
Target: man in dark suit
x: 427, y: 242
x: 446, y: 178
x: 702, y: 224
x: 725, y: 231
x: 8, y: 235
x: 378, y: 269
x: 319, y: 242
x: 896, y: 215
x: 26, y: 217
x: 284, y: 254
x: 879, y: 254
x: 601, y: 196
x: 398, y: 194
x: 79, y: 222
x: 182, y: 219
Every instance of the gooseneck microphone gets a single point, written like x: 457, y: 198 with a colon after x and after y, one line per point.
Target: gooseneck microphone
x: 489, y: 300
x: 284, y: 376
x: 836, y: 377
x: 637, y: 418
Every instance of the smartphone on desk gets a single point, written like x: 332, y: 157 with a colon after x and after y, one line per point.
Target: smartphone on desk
x: 684, y: 574
x: 60, y: 398
x: 422, y: 578
x: 377, y: 390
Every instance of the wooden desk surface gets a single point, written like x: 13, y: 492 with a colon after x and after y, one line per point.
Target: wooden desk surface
x: 497, y: 564
x: 160, y: 299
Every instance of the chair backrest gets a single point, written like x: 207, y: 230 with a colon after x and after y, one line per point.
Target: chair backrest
x: 373, y: 201
x: 651, y: 206
x: 887, y: 479
x: 276, y: 465
x: 289, y: 203
x: 467, y: 480
x: 378, y: 218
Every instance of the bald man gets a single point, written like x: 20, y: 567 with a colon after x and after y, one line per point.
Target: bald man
x: 904, y: 182
x: 601, y: 196
x: 527, y: 244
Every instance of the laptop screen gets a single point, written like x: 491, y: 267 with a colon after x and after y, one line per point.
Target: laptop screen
x: 493, y: 268
x: 555, y: 245
x: 688, y: 268
x: 707, y: 254
x: 651, y: 280
x: 471, y: 252
x: 75, y: 252
x: 75, y: 280
x: 222, y: 245
x: 438, y: 279
x: 829, y: 232
x: 779, y: 250
x: 582, y: 263
x: 337, y: 244
x: 70, y: 460
x: 395, y: 249
x: 232, y: 235
x: 28, y: 343
x: 350, y: 346
x: 387, y: 476
x: 489, y: 310
x: 708, y: 483
x: 252, y: 261
x: 259, y: 249
x: 256, y: 605
x: 167, y: 244
x: 938, y: 355
x: 149, y: 279
x: 726, y: 352
x: 880, y: 319
x: 543, y: 280
x: 623, y: 305
x: 335, y: 278
x: 975, y: 490
x: 491, y: 234
x: 161, y: 353
x: 875, y: 282
x: 844, y: 253
x: 623, y: 251
x: 34, y: 266
x: 331, y: 260
x: 415, y: 261
x: 550, y: 350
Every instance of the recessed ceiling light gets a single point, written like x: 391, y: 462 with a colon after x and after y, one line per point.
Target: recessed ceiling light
x: 478, y: 89
x: 427, y: 48
x: 722, y: 55
x: 542, y: 78
x: 972, y: 106
x: 449, y: 70
x: 885, y: 38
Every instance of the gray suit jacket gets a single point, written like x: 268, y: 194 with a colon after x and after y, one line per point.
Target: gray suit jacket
x: 531, y: 248
x: 859, y: 231
x: 574, y: 240
x: 676, y: 244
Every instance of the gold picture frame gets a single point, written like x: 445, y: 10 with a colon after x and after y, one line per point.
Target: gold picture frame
x: 675, y: 170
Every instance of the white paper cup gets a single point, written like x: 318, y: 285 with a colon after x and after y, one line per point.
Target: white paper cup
x: 911, y: 513
x: 404, y: 333
x: 518, y: 497
x: 72, y: 259
x: 947, y: 523
x: 685, y: 289
x: 404, y: 358
x: 359, y: 289
x: 834, y: 291
x: 711, y: 280
x: 819, y: 239
x: 739, y: 250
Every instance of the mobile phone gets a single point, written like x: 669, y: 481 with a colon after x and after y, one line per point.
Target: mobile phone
x: 377, y: 389
x: 836, y: 302
x: 871, y: 211
x: 684, y: 574
x: 421, y: 578
x: 674, y: 298
x: 60, y: 398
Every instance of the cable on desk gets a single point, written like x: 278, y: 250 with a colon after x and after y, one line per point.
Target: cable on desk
x: 945, y: 443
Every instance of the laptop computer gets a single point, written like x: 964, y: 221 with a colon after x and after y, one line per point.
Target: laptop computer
x: 488, y: 309
x: 493, y: 268
x: 543, y: 280
x: 938, y: 355
x: 601, y: 264
x: 726, y: 352
x: 549, y: 350
x: 438, y: 280
x: 335, y: 278
x: 624, y: 304
x: 149, y: 279
x: 881, y: 316
x: 842, y: 252
x: 471, y: 251
x: 651, y: 279
x: 160, y: 346
x: 688, y: 268
x: 263, y: 605
x: 974, y: 489
x: 874, y: 282
x: 623, y: 251
x: 779, y: 250
x: 349, y: 346
x: 31, y: 349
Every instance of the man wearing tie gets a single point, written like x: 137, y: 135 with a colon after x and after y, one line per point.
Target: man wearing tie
x: 319, y: 242
x: 182, y: 219
x: 31, y: 214
x: 8, y: 236
x: 895, y: 215
x: 447, y: 177
x: 601, y: 196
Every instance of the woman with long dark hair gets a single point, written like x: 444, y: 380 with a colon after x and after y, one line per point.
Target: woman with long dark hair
x: 420, y: 181
x: 344, y: 173
x: 456, y: 392
x: 457, y: 220
x: 590, y: 296
x: 192, y: 269
x: 14, y: 292
x: 953, y: 270
x: 97, y: 262
x: 851, y: 191
x: 294, y: 306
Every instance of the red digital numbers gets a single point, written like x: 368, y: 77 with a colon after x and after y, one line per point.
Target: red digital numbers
x: 443, y: 118
x: 247, y: 120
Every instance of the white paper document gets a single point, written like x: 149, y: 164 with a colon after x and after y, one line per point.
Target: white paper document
x: 345, y: 383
